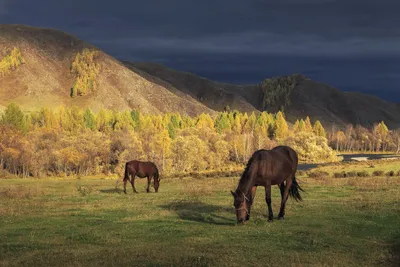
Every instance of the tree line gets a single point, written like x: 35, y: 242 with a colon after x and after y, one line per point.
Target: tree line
x: 71, y: 141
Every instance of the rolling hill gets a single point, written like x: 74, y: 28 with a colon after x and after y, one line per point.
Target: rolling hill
x: 45, y: 79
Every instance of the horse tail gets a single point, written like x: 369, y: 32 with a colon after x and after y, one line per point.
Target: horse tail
x: 126, y: 176
x: 294, y: 190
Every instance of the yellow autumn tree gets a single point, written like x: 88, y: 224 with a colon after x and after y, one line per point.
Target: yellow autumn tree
x: 281, y: 127
x: 318, y: 129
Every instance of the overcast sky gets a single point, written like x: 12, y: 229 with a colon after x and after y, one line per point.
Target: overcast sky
x: 350, y: 44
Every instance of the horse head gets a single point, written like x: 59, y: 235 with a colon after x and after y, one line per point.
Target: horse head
x: 242, y: 206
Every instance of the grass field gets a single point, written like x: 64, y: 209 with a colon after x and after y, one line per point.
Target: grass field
x: 191, y: 222
x: 369, y: 166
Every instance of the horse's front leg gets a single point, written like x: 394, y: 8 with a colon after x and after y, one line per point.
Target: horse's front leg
x: 252, y: 196
x: 268, y: 200
x: 284, y: 195
x: 148, y: 184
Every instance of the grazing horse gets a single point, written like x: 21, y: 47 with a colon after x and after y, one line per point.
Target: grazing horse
x: 266, y: 168
x: 141, y: 169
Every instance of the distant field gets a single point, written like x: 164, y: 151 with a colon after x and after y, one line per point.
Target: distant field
x: 191, y: 222
x: 369, y: 166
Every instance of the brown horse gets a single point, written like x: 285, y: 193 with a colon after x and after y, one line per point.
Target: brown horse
x: 266, y: 168
x: 141, y: 169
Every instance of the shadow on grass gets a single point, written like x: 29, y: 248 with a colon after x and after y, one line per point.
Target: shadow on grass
x: 112, y: 191
x: 197, y: 211
x: 395, y: 251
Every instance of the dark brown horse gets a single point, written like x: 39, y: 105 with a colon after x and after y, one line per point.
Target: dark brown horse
x: 141, y: 169
x: 266, y: 168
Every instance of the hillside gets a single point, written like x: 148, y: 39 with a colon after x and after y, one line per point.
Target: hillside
x: 214, y: 95
x: 43, y: 78
x: 305, y: 97
x: 298, y: 95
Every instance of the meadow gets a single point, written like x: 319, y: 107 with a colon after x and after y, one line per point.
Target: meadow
x: 191, y: 222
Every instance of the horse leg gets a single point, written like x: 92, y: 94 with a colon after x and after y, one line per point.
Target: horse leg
x: 125, y: 181
x: 133, y: 183
x: 268, y: 200
x: 285, y: 196
x: 253, y: 195
x: 148, y: 184
x: 282, y: 188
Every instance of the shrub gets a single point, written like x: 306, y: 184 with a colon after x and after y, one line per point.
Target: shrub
x: 378, y: 173
x: 351, y: 174
x: 339, y: 175
x: 363, y: 174
x: 390, y: 173
x: 311, y: 148
x: 11, y: 62
x: 318, y: 174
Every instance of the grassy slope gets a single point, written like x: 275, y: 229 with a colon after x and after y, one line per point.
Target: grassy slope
x: 45, y: 79
x: 190, y: 222
x: 212, y: 94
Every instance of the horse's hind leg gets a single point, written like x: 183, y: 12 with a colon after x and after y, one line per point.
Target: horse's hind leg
x: 268, y: 200
x: 133, y: 183
x: 148, y: 184
x: 284, y: 195
x: 125, y: 181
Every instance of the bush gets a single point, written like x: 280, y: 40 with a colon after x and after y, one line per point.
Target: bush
x: 11, y: 62
x: 317, y: 174
x: 311, y: 148
x: 339, y: 175
x: 378, y: 173
x: 351, y: 174
x: 363, y: 174
x: 391, y: 173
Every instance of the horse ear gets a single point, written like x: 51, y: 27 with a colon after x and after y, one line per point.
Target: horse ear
x: 233, y: 193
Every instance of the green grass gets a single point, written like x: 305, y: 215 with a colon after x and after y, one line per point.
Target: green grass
x: 191, y: 222
x: 369, y: 166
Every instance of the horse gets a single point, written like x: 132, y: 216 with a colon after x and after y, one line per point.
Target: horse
x: 141, y: 169
x: 266, y: 168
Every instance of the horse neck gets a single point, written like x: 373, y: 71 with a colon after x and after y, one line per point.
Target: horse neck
x: 245, y: 184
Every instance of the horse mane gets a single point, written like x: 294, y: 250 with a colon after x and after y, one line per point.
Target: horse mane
x: 245, y: 177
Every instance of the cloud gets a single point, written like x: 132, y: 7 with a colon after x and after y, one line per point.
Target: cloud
x: 261, y: 43
x: 4, y: 7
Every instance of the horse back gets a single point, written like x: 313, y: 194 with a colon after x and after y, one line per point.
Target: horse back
x: 290, y: 154
x: 275, y: 165
x: 142, y: 168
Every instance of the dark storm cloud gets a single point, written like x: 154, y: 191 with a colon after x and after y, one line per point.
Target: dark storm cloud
x: 4, y: 7
x: 238, y: 41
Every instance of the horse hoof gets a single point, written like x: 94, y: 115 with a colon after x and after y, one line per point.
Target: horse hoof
x: 280, y: 218
x: 270, y: 220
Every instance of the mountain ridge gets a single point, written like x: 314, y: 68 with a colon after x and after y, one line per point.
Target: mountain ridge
x: 45, y: 80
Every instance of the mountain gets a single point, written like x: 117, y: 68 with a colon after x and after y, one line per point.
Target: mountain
x: 52, y: 74
x: 45, y: 78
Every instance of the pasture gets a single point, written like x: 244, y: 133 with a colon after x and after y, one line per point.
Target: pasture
x: 191, y: 222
